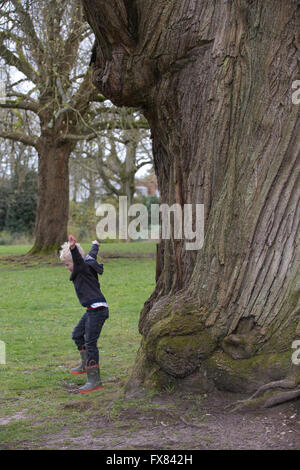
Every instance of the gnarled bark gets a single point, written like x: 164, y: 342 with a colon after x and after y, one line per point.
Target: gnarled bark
x: 214, y: 80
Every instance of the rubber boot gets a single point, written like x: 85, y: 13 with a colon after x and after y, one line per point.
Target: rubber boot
x: 81, y: 368
x: 93, y: 380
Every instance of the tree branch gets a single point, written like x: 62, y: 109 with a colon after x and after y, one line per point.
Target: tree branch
x: 36, y: 46
x: 12, y: 60
x: 18, y: 137
x: 112, y: 25
x: 108, y: 125
x: 83, y: 96
x: 78, y: 137
x: 10, y: 104
x: 147, y: 162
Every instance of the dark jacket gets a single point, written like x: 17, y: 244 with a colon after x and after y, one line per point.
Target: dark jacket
x: 85, y: 276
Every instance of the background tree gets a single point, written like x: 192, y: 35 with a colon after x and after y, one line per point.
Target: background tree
x: 113, y: 159
x: 44, y: 45
x: 214, y: 80
x: 105, y: 168
x: 42, y: 41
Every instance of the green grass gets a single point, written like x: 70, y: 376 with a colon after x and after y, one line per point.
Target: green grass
x: 132, y: 247
x: 14, y: 249
x: 38, y: 311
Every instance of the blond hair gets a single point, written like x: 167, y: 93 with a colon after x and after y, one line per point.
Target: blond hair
x: 65, y: 253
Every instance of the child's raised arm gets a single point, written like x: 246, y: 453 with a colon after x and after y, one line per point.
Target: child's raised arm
x: 94, y: 250
x: 76, y: 256
x: 91, y: 258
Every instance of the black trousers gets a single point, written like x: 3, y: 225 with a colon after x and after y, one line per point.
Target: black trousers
x: 86, y: 333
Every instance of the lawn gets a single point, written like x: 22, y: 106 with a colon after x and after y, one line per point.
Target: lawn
x: 38, y: 311
x: 39, y: 404
x: 132, y: 247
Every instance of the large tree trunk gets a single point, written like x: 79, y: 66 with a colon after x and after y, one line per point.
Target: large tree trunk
x: 214, y: 79
x: 53, y: 195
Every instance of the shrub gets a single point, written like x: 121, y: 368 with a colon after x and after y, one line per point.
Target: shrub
x: 21, y: 205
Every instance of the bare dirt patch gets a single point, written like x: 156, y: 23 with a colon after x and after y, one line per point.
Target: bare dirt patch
x: 15, y: 417
x: 171, y: 421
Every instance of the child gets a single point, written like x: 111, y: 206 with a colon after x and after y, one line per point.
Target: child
x: 85, y: 270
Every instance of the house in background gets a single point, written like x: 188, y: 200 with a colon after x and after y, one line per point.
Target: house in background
x: 147, y: 186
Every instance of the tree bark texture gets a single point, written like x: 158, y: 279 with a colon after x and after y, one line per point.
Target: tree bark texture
x: 214, y: 79
x: 53, y: 194
x: 54, y: 149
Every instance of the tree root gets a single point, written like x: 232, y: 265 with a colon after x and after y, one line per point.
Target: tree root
x: 107, y: 416
x: 194, y: 425
x: 276, y: 399
x: 282, y: 398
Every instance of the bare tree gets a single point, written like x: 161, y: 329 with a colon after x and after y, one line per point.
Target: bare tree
x: 214, y: 80
x: 112, y: 161
x: 45, y: 46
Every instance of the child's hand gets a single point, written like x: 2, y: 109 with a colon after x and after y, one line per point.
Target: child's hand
x: 72, y: 241
x: 95, y: 242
